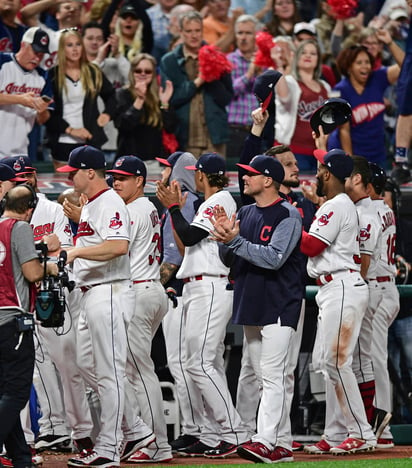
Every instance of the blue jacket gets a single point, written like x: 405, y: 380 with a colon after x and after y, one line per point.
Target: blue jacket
x: 217, y: 95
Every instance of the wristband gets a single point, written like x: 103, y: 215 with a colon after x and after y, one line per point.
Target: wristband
x: 173, y: 207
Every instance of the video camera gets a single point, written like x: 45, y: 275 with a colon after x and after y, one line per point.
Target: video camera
x: 51, y: 300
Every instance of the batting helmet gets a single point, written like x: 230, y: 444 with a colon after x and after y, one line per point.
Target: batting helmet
x: 378, y: 178
x: 332, y: 113
x: 392, y: 187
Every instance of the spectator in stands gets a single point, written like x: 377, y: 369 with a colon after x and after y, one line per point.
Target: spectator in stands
x: 144, y: 112
x: 363, y: 88
x: 11, y: 31
x: 243, y: 76
x: 285, y: 15
x: 200, y: 106
x: 76, y: 84
x: 159, y: 15
x: 174, y: 29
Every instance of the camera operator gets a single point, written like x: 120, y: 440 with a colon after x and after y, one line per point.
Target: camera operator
x: 19, y: 269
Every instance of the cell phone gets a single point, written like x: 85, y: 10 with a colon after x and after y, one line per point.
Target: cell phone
x: 46, y: 98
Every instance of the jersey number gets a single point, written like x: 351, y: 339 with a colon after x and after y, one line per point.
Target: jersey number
x: 390, y: 250
x: 157, y: 249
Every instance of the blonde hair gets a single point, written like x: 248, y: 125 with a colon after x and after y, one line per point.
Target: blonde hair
x: 136, y: 45
x: 299, y: 52
x: 152, y: 115
x: 90, y: 74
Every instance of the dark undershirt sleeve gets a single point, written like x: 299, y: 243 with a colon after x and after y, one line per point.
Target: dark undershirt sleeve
x: 189, y: 235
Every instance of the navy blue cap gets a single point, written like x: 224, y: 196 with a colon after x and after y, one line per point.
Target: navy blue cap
x: 332, y: 113
x: 38, y: 39
x: 339, y: 163
x: 264, y: 88
x: 21, y: 164
x: 266, y: 165
x: 84, y: 157
x: 7, y: 173
x: 129, y: 165
x: 209, y: 163
x: 128, y: 9
x: 171, y: 160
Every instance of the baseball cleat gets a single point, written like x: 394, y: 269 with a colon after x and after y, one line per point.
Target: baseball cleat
x: 183, y: 441
x: 223, y: 450
x: 92, y: 460
x: 127, y: 448
x: 258, y: 453
x: 142, y: 457
x: 319, y: 448
x: 385, y: 443
x: 195, y: 450
x: 56, y: 443
x: 353, y: 445
x: 83, y: 445
x: 380, y: 420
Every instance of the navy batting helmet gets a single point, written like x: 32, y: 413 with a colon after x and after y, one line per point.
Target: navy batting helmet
x: 332, y: 113
x: 396, y: 195
x: 378, y: 178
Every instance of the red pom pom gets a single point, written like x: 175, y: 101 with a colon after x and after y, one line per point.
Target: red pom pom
x: 343, y: 9
x: 264, y: 41
x: 213, y: 63
x: 169, y: 141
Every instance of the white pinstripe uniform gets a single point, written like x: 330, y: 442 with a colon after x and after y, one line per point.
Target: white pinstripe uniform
x: 150, y: 308
x: 106, y: 306
x: 387, y: 307
x: 342, y: 301
x: 207, y: 309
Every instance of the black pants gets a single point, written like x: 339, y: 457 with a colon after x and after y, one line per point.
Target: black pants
x: 16, y: 377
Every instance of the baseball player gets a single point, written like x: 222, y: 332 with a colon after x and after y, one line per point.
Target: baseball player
x: 190, y: 402
x: 56, y: 350
x: 387, y: 300
x: 129, y: 178
x: 265, y: 241
x: 22, y: 83
x: 8, y: 179
x: 102, y: 272
x: 333, y: 250
x: 207, y: 305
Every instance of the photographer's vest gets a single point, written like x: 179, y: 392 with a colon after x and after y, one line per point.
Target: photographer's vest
x: 9, y: 297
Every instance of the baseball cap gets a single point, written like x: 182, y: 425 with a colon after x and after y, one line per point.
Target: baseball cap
x: 7, y: 173
x: 21, y: 164
x: 266, y: 165
x: 38, y: 39
x: 308, y: 28
x: 84, y: 157
x: 339, y: 163
x: 129, y: 165
x: 171, y: 160
x: 332, y: 113
x: 264, y: 88
x: 128, y: 9
x: 397, y: 14
x: 209, y: 163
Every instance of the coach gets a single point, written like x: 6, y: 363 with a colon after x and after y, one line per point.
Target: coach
x: 19, y: 269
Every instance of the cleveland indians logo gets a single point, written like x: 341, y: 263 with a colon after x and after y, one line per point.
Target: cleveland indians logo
x: 119, y: 162
x: 67, y: 230
x: 115, y: 222
x: 324, y: 219
x: 17, y: 166
x: 365, y: 233
x: 208, y: 213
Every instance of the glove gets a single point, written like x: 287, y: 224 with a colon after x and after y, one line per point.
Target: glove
x: 172, y: 295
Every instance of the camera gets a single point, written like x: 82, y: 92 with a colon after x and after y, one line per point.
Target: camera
x: 51, y: 300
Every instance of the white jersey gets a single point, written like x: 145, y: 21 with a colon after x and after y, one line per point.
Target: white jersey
x: 386, y: 265
x: 203, y: 257
x: 103, y: 217
x: 48, y: 218
x: 335, y: 224
x: 370, y: 232
x: 145, y: 240
x: 17, y: 120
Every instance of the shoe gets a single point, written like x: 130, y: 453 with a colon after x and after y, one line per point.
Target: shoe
x: 127, y: 448
x: 83, y: 445
x: 385, y: 443
x: 379, y: 421
x: 195, y: 450
x: 93, y: 460
x: 257, y: 452
x: 6, y: 462
x: 223, y: 450
x: 182, y: 442
x: 57, y: 443
x: 142, y: 457
x: 352, y: 445
x: 296, y: 446
x: 319, y: 448
x: 400, y: 174
x: 37, y: 460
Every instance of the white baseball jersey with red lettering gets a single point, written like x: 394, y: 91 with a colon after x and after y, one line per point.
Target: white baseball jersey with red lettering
x: 335, y: 224
x: 203, y: 257
x: 145, y: 240
x: 386, y: 258
x: 103, y: 217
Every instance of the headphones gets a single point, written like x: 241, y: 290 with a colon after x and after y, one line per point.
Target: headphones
x: 34, y: 198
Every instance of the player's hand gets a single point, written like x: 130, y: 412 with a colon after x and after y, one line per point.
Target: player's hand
x: 72, y: 211
x: 170, y: 195
x: 309, y: 192
x: 321, y: 140
x: 225, y: 229
x: 103, y: 119
x: 71, y: 254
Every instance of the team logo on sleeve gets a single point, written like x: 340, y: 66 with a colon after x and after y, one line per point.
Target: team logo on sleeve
x: 116, y: 222
x: 208, y: 212
x: 324, y: 219
x: 365, y: 233
x: 67, y: 230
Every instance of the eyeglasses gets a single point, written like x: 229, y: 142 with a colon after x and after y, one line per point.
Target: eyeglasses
x: 65, y: 30
x: 140, y: 71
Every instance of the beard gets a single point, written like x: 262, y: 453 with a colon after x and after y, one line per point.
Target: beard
x: 291, y: 183
x: 319, y: 189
